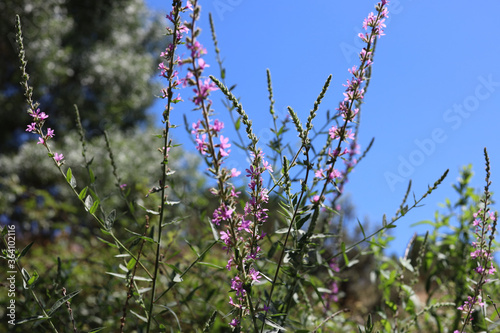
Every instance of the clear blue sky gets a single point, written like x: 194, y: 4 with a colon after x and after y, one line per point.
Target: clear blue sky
x: 433, y: 103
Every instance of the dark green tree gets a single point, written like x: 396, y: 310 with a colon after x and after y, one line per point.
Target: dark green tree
x: 100, y: 55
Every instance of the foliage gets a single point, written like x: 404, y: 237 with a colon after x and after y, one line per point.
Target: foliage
x: 159, y: 251
x: 100, y: 55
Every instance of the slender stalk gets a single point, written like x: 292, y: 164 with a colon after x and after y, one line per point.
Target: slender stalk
x: 176, y: 5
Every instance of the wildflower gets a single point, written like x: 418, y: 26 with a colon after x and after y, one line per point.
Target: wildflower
x: 58, y: 158
x: 39, y: 116
x: 237, y: 285
x: 235, y: 173
x: 223, y: 145
x: 31, y: 128
x: 217, y: 126
x: 50, y: 132
x: 235, y: 322
x: 254, y: 274
x: 201, y: 144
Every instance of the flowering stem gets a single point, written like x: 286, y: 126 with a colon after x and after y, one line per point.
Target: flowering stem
x: 176, y: 7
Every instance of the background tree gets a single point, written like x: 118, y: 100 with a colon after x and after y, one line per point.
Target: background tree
x: 100, y: 55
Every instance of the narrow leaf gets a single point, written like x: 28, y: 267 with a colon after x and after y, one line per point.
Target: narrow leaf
x: 121, y: 276
x: 34, y: 318
x: 362, y: 229
x: 25, y: 250
x: 92, y: 176
x: 131, y: 264
x: 346, y: 259
x: 106, y: 242
x: 89, y: 202
x: 144, y: 319
x: 94, y: 207
x: 62, y: 301
x: 69, y: 175
x: 110, y: 219
x: 83, y: 193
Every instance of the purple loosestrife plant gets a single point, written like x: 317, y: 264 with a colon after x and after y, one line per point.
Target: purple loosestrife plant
x: 343, y: 136
x: 242, y: 232
x: 485, y: 224
x: 167, y: 70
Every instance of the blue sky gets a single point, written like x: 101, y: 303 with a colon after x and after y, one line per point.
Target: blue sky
x: 433, y: 102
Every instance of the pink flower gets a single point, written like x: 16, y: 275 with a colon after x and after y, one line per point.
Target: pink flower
x: 223, y: 145
x: 334, y: 174
x: 196, y: 127
x: 245, y: 225
x: 237, y: 285
x: 235, y: 173
x: 205, y: 88
x: 58, y: 158
x: 31, y: 128
x: 224, y: 142
x: 201, y: 144
x: 40, y: 141
x: 50, y: 132
x: 319, y: 173
x: 218, y: 125
x: 39, y: 116
x: 255, y: 275
x: 202, y: 64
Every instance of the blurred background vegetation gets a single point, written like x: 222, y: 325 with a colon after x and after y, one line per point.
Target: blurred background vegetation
x: 102, y: 56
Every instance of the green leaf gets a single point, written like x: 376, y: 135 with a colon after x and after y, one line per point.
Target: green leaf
x: 106, y: 242
x: 26, y: 278
x: 95, y: 330
x: 110, y: 219
x: 144, y: 319
x: 33, y: 279
x: 210, y: 322
x: 69, y: 178
x: 83, y: 193
x: 91, y: 175
x: 362, y: 229
x: 177, y: 270
x: 27, y: 320
x: 423, y: 222
x: 25, y: 250
x: 69, y: 175
x: 346, y: 259
x: 369, y: 323
x: 271, y: 323
x: 62, y: 301
x: 121, y: 276
x: 89, y: 202
x: 149, y: 210
x: 94, y: 207
x: 406, y: 263
x: 322, y: 236
x: 237, y: 125
x: 302, y: 221
x: 209, y: 265
x: 131, y: 264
